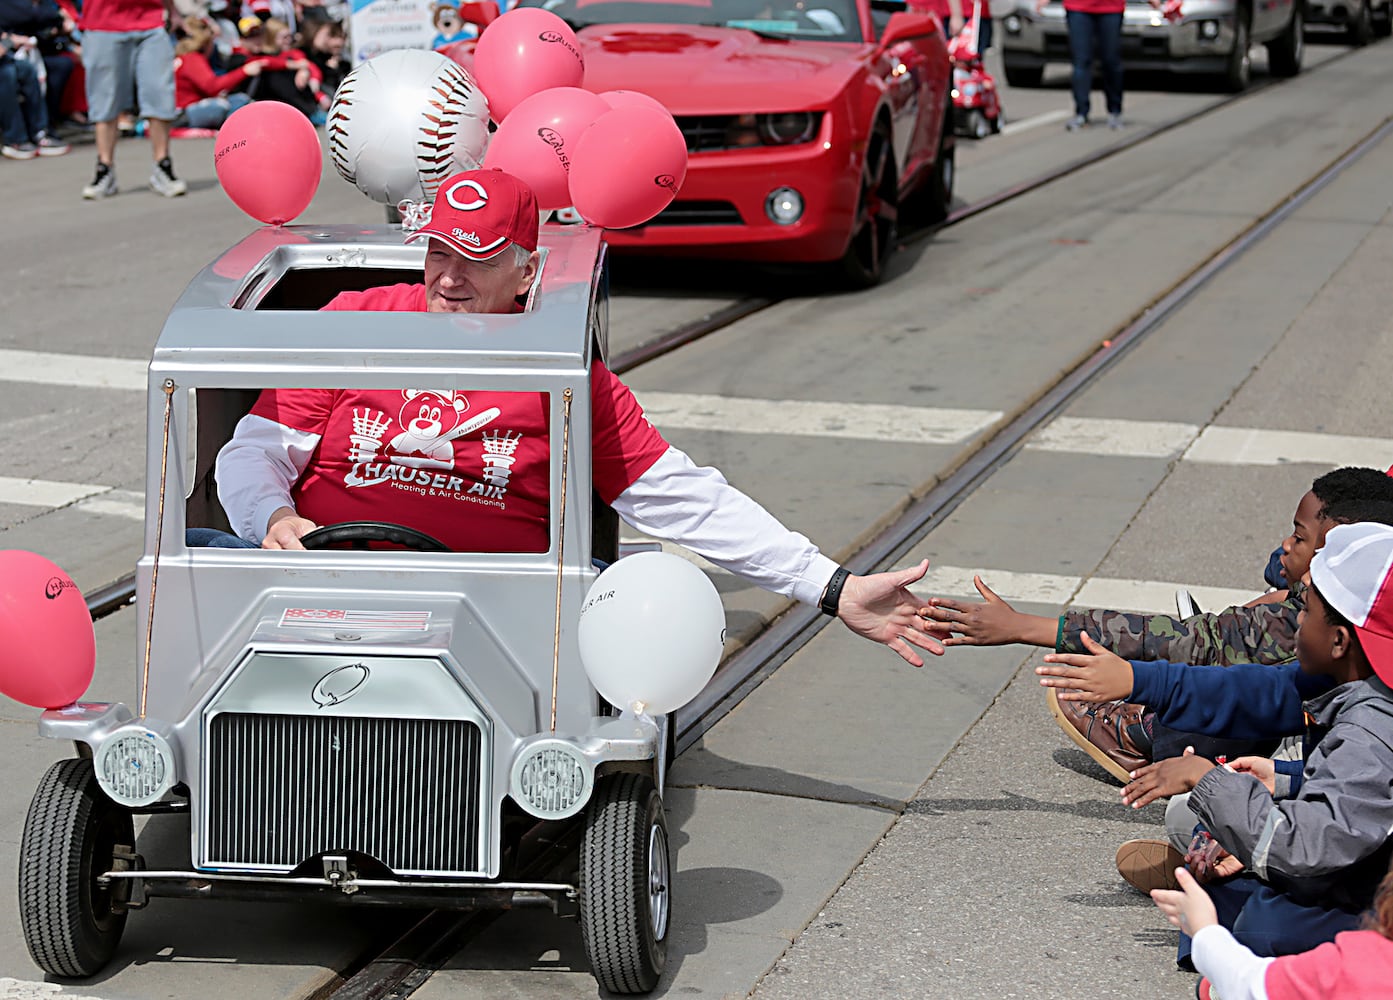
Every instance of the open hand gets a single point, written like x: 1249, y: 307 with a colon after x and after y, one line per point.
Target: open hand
x: 1095, y: 676
x: 881, y: 608
x: 1189, y: 907
x: 991, y: 623
x: 1165, y: 778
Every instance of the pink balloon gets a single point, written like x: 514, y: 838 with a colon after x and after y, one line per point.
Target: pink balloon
x: 628, y: 167
x: 48, y: 650
x: 524, y: 52
x: 633, y: 99
x: 268, y: 159
x: 537, y: 142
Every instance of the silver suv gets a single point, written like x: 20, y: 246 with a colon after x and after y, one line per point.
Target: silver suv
x: 1361, y: 20
x: 1211, y: 37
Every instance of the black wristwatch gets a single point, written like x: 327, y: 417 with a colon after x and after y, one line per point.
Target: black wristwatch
x: 832, y: 596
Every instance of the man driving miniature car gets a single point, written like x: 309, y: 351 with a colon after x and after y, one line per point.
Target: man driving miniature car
x: 471, y: 468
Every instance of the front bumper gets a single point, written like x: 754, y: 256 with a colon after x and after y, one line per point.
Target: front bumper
x: 1198, y: 43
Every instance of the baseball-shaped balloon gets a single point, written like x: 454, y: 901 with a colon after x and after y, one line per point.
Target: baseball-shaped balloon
x: 403, y: 121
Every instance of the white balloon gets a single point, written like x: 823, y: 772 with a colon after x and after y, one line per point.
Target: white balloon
x: 404, y: 121
x: 651, y: 632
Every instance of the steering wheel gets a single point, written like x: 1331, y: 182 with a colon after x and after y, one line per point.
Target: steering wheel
x: 359, y: 533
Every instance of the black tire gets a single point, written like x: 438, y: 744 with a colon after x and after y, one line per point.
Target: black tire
x: 977, y: 125
x: 625, y: 885
x: 1381, y: 21
x: 877, y: 212
x: 1360, y: 29
x: 1285, y: 52
x: 71, y: 924
x: 1240, y: 65
x: 1024, y: 76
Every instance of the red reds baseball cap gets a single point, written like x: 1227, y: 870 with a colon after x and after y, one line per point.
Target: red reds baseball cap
x: 1354, y: 573
x: 481, y: 212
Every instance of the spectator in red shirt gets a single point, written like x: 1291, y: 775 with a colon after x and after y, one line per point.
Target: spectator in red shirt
x: 128, y: 53
x: 205, y: 99
x: 296, y: 81
x: 1095, y: 29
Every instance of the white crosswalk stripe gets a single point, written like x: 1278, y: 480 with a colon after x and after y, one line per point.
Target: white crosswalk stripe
x: 1058, y: 590
x: 44, y: 492
x: 77, y: 370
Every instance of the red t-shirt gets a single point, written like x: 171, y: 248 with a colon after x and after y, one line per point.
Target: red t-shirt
x: 470, y: 468
x: 122, y: 15
x: 1096, y: 6
x: 1355, y: 964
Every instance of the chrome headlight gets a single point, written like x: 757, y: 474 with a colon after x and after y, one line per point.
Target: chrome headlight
x: 784, y: 206
x: 135, y: 766
x: 552, y: 779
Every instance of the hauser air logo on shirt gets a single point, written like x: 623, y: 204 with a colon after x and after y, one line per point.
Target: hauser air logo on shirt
x: 421, y: 458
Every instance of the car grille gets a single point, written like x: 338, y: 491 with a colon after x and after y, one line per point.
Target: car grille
x: 705, y: 132
x: 283, y: 788
x: 698, y: 213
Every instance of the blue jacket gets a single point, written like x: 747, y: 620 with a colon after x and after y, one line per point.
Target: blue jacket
x: 1247, y: 701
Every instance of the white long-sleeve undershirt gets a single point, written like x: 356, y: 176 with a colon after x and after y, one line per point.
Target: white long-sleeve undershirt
x: 1233, y: 971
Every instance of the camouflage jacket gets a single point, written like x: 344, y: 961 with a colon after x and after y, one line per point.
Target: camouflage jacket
x: 1264, y: 634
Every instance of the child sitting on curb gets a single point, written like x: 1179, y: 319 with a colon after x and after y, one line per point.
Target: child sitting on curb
x: 1356, y: 964
x: 1310, y: 861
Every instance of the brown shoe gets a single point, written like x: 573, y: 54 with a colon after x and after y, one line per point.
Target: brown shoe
x: 1149, y: 864
x: 1101, y: 731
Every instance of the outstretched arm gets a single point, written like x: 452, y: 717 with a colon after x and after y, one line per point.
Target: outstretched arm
x: 991, y: 623
x: 693, y: 505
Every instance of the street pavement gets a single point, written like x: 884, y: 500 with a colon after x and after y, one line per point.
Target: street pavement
x: 858, y: 828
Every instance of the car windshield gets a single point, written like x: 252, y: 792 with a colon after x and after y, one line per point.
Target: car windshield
x: 813, y: 20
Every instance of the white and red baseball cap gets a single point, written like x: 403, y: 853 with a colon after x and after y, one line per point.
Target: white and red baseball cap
x: 480, y: 213
x: 1354, y: 573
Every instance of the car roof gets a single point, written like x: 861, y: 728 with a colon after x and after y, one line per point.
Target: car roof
x: 233, y: 325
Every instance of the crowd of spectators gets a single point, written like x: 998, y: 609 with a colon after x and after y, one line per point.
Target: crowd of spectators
x: 166, y: 68
x: 1268, y: 731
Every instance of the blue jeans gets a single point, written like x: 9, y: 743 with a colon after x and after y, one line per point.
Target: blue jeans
x: 23, y: 113
x: 1097, y: 35
x: 211, y: 112
x: 212, y: 538
x: 1269, y: 922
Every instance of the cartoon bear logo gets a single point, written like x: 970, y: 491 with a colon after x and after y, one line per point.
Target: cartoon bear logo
x: 428, y: 416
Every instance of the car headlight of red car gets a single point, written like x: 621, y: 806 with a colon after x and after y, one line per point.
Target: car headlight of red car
x: 788, y: 128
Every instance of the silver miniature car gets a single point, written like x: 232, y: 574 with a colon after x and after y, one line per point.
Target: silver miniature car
x: 1212, y: 37
x: 359, y: 725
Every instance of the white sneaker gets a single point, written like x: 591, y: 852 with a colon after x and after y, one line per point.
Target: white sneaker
x: 103, y: 184
x: 163, y: 181
x: 1076, y: 123
x: 1115, y: 122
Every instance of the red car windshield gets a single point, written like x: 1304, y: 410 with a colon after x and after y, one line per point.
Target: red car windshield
x: 810, y: 20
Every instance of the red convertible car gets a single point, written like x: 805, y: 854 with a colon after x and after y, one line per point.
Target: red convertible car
x: 812, y: 125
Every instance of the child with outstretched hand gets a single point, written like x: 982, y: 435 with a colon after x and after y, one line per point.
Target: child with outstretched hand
x: 1356, y: 964
x: 1311, y: 860
x: 1261, y: 634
